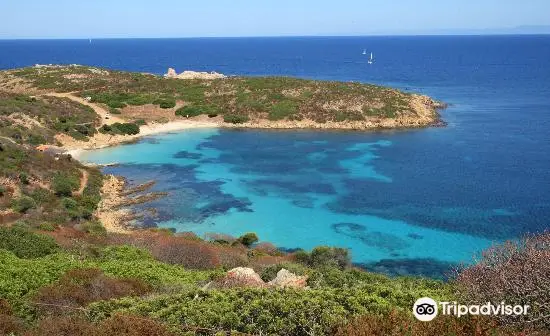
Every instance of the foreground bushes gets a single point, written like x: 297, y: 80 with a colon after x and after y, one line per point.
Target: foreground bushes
x: 79, y: 287
x: 119, y: 325
x: 26, y: 244
x: 515, y: 272
x: 271, y: 311
x: 399, y: 323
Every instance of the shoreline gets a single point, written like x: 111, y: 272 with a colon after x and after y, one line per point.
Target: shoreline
x: 75, y: 148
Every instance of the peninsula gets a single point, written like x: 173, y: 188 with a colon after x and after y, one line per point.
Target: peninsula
x: 173, y: 102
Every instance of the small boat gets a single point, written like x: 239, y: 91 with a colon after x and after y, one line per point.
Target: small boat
x: 364, y: 51
x: 90, y: 41
x: 371, y: 59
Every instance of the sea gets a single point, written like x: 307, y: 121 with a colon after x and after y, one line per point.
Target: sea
x: 408, y: 202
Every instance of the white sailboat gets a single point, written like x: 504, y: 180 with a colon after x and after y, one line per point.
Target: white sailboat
x: 364, y: 51
x: 371, y: 59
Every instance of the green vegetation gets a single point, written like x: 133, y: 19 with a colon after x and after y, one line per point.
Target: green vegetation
x: 248, y: 239
x: 235, y: 119
x: 25, y: 244
x: 21, y: 117
x: 120, y: 128
x: 237, y: 99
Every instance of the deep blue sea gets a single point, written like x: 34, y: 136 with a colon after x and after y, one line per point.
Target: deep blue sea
x: 404, y: 202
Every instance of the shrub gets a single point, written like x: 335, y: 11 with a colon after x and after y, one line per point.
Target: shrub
x: 195, y: 110
x: 398, y: 323
x: 268, y: 311
x: 63, y: 184
x: 181, y: 251
x: 140, y: 122
x: 118, y: 325
x: 23, y: 204
x: 47, y: 227
x: 248, y: 239
x: 26, y: 244
x: 235, y: 119
x: 2, y: 190
x: 24, y: 178
x: 515, y: 272
x: 127, y: 128
x: 79, y: 287
x: 114, y: 104
x: 93, y: 227
x: 120, y: 128
x: 324, y: 256
x: 165, y: 103
x: 282, y: 110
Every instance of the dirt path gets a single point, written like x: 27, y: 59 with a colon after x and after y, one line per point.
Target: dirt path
x: 103, y: 113
x: 83, y: 181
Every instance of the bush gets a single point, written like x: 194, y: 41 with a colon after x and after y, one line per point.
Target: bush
x: 24, y: 178
x: 515, y: 272
x: 165, y: 103
x: 120, y: 128
x: 248, y: 239
x: 118, y: 325
x: 26, y: 244
x: 195, y: 110
x: 140, y: 122
x: 23, y: 204
x: 2, y: 190
x: 79, y: 287
x: 93, y: 227
x: 282, y: 110
x: 114, y: 104
x: 324, y: 256
x: 398, y: 323
x: 189, y: 253
x: 47, y: 227
x: 235, y: 119
x: 271, y: 312
x: 63, y: 184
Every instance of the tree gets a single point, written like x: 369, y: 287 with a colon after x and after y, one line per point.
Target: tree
x: 248, y: 239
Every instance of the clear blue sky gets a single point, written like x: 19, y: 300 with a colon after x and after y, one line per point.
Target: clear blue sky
x: 173, y: 18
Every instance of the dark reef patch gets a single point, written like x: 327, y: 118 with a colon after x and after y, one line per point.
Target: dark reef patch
x: 383, y: 241
x: 187, y: 155
x: 189, y: 200
x: 432, y: 268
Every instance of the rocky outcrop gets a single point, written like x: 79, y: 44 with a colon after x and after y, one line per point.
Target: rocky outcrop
x: 239, y: 277
x: 193, y: 75
x: 286, y: 279
x: 247, y: 277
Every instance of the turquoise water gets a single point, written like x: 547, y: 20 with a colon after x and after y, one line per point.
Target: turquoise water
x: 290, y: 208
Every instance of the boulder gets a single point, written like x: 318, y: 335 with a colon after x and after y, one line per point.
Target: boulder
x: 171, y: 73
x: 286, y: 279
x: 239, y: 277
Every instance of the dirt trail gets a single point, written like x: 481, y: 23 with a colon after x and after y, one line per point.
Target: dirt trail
x: 103, y: 113
x: 83, y: 181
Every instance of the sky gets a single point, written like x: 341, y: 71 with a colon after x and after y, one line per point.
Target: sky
x: 221, y: 18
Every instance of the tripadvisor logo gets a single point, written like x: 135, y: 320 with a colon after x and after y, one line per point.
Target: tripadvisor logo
x: 426, y: 309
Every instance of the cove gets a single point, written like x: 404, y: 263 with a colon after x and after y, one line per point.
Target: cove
x: 301, y: 189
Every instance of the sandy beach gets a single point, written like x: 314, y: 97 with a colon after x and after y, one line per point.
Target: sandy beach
x: 100, y: 140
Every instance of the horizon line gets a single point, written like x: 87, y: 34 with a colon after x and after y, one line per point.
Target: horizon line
x: 273, y: 36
